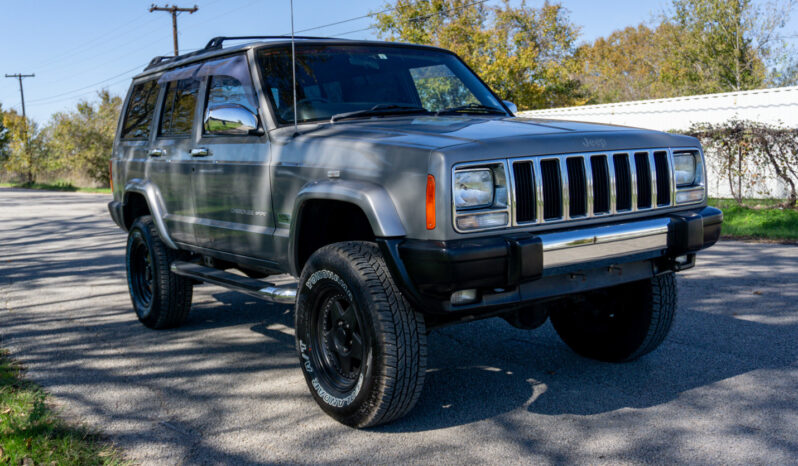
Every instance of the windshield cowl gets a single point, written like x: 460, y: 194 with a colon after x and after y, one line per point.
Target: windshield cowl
x: 380, y: 110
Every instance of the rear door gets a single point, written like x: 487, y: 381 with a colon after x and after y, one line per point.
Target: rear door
x: 231, y: 175
x: 170, y: 155
x: 136, y: 132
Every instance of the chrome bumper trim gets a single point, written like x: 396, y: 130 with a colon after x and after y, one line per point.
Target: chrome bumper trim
x: 606, y: 242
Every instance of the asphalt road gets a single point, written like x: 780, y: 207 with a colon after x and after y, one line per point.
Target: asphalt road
x: 226, y: 388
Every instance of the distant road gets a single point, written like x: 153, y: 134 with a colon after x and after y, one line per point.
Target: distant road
x: 226, y: 388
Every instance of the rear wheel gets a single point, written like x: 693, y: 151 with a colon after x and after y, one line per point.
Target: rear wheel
x: 160, y: 298
x: 621, y: 323
x: 361, y: 345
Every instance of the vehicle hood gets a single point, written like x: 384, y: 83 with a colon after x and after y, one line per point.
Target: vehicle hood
x: 503, y: 134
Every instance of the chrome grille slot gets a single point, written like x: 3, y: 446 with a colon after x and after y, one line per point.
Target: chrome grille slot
x: 577, y: 186
x: 552, y: 189
x: 524, y: 192
x: 661, y: 162
x: 644, y: 184
x: 601, y: 184
x: 623, y: 182
x: 560, y: 188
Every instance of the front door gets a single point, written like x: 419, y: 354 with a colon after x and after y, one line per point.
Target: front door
x: 231, y: 175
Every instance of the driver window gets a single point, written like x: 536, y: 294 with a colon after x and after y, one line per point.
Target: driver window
x: 227, y: 93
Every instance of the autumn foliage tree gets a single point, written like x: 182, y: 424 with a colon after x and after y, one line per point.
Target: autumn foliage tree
x: 526, y: 55
x: 698, y: 47
x: 82, y: 139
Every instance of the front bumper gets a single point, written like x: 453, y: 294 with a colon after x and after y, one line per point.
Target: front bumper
x: 519, y: 267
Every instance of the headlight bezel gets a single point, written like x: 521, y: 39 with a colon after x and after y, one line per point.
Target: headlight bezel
x: 500, y: 202
x: 695, y: 191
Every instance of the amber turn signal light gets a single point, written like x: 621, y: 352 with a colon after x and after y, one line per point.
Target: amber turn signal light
x: 430, y: 202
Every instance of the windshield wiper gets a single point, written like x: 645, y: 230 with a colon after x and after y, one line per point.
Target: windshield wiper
x: 472, y: 108
x: 379, y: 109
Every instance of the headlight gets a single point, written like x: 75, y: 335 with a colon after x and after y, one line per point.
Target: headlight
x: 473, y: 188
x: 685, y: 169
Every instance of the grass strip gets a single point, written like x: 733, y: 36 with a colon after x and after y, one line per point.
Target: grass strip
x: 57, y: 186
x: 32, y: 433
x: 757, y: 219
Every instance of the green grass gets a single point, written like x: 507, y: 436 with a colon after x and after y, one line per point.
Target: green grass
x: 57, y: 186
x: 758, y: 219
x: 32, y: 433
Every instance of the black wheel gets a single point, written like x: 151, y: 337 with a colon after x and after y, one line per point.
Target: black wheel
x: 160, y: 298
x: 361, y: 345
x: 621, y: 323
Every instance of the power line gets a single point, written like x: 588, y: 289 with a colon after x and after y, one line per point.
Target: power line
x: 174, y: 10
x: 80, y: 48
x: 344, y: 21
x: 412, y: 20
x: 45, y: 99
x: 60, y: 97
x: 85, y: 93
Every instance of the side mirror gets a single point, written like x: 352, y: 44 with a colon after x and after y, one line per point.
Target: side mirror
x: 513, y: 108
x: 230, y: 119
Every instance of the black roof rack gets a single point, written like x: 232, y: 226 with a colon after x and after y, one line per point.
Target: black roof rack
x: 216, y: 44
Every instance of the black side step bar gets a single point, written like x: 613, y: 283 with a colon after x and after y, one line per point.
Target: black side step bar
x: 284, y: 294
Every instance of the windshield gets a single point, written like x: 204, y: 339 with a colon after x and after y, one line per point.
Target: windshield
x: 333, y: 80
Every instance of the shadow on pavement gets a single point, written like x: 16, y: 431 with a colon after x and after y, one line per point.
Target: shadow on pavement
x: 736, y: 316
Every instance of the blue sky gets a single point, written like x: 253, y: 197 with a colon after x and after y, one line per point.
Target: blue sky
x: 78, y: 47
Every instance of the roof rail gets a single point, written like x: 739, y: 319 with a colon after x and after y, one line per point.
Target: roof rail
x: 216, y: 42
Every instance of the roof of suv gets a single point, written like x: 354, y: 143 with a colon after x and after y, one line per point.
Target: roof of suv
x: 214, y: 48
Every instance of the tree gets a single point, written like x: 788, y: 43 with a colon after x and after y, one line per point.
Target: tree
x: 525, y: 54
x: 25, y: 146
x: 83, y: 138
x: 627, y: 65
x: 699, y: 47
x: 3, y: 137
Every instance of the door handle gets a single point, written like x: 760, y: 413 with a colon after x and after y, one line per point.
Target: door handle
x: 200, y: 152
x: 157, y: 152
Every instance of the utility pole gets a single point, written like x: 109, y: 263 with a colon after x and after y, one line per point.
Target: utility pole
x: 20, y: 77
x: 174, y: 9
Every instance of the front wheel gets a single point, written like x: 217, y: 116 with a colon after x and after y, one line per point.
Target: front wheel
x: 621, y: 323
x: 361, y: 345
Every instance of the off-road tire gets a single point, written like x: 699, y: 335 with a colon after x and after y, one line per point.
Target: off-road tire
x: 160, y: 298
x: 393, y: 352
x: 621, y: 323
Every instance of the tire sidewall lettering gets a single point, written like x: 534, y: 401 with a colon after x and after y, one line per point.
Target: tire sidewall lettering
x: 322, y: 274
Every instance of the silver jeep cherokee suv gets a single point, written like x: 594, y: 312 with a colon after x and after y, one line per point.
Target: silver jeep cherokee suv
x: 405, y: 196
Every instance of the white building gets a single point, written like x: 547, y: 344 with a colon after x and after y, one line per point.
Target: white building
x: 775, y: 106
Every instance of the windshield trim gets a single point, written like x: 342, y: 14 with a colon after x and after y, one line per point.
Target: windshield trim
x: 273, y: 111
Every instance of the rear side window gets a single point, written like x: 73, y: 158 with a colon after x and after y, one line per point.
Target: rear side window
x: 140, y: 109
x: 179, y: 105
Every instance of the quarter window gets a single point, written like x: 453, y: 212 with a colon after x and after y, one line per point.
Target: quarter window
x: 178, y: 108
x: 140, y: 109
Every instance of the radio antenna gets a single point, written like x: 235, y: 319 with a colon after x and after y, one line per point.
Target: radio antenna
x: 293, y: 65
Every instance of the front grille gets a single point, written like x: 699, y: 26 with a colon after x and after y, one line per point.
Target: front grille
x: 525, y: 189
x: 552, y: 189
x: 558, y: 188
